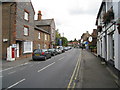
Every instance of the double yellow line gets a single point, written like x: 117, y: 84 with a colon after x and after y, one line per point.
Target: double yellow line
x: 74, y: 76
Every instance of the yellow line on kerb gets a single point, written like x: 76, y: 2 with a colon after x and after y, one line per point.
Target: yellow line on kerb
x: 71, y: 80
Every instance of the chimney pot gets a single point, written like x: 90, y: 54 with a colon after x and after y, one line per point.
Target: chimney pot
x: 39, y: 15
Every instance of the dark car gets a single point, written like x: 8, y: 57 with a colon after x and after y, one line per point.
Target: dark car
x: 53, y: 51
x: 41, y: 54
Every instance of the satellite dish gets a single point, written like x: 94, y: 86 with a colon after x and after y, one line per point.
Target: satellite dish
x: 90, y: 39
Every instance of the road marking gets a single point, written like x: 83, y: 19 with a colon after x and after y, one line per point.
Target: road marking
x: 46, y: 67
x: 6, y: 69
x: 14, y: 67
x: 11, y: 72
x: 15, y: 84
x: 60, y: 58
x: 73, y: 75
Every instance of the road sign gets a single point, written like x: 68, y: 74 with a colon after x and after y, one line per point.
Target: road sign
x: 90, y: 39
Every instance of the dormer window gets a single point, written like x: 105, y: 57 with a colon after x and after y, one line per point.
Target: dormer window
x: 26, y: 15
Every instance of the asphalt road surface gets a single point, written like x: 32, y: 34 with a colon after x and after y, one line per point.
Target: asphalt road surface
x: 56, y: 72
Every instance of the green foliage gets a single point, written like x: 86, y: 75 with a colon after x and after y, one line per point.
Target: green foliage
x: 64, y: 41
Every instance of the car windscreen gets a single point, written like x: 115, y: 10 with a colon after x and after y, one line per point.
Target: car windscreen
x: 50, y: 49
x: 37, y: 51
x: 44, y: 50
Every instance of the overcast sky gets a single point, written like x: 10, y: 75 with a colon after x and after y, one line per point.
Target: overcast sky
x: 72, y: 17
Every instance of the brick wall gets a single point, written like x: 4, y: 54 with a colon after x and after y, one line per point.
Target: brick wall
x: 8, y: 26
x: 42, y: 40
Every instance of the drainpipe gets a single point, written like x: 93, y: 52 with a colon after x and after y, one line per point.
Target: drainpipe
x: 10, y: 23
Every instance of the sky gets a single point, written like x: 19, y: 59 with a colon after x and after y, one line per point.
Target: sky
x: 72, y: 17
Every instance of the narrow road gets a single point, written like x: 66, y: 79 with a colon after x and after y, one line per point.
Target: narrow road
x: 56, y: 72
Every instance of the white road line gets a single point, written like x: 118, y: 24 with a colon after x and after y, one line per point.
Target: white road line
x: 11, y: 72
x: 16, y: 83
x: 6, y: 69
x: 60, y: 58
x: 46, y: 67
x: 14, y: 67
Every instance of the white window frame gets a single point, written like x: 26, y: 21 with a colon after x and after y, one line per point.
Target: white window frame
x: 26, y: 31
x: 28, y: 47
x: 38, y: 46
x: 26, y: 15
x: 45, y: 37
x: 39, y: 36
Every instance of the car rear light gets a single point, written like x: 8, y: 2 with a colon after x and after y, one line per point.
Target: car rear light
x: 42, y: 53
x: 32, y: 53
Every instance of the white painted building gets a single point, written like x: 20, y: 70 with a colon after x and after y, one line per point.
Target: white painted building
x: 108, y: 41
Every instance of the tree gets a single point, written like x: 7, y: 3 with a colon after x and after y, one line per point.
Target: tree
x: 75, y: 40
x: 64, y: 41
x: 58, y: 36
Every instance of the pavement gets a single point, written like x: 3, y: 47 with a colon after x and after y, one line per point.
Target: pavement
x: 94, y: 73
x: 7, y: 64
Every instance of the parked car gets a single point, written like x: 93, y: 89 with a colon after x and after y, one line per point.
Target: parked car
x: 41, y: 54
x: 61, y: 48
x: 58, y: 51
x: 66, y: 48
x: 53, y: 51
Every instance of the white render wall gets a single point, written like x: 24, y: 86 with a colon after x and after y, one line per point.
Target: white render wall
x: 116, y: 9
x: 117, y: 50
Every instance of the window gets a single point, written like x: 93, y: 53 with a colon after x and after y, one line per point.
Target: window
x: 26, y: 31
x: 28, y: 47
x: 38, y: 46
x: 38, y: 35
x: 26, y: 15
x: 45, y: 37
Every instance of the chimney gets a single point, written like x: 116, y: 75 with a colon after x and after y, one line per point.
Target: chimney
x: 39, y: 15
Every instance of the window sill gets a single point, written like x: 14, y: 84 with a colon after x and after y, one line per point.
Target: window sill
x: 27, y: 52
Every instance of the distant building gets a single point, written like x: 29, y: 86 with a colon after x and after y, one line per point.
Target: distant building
x: 84, y: 40
x: 48, y: 25
x: 108, y: 26
x: 93, y: 43
x: 17, y: 29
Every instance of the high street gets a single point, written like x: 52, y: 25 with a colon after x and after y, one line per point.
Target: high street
x: 57, y: 72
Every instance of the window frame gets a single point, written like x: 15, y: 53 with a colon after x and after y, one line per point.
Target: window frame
x: 27, y: 31
x: 31, y: 47
x: 39, y: 35
x: 27, y: 12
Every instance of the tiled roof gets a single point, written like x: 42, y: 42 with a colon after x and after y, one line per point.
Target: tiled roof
x: 38, y: 28
x: 43, y: 22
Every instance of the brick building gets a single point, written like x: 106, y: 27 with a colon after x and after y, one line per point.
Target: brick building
x: 48, y: 25
x: 93, y: 43
x: 41, y: 38
x: 17, y: 28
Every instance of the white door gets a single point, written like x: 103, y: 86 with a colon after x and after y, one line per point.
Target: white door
x: 17, y: 49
